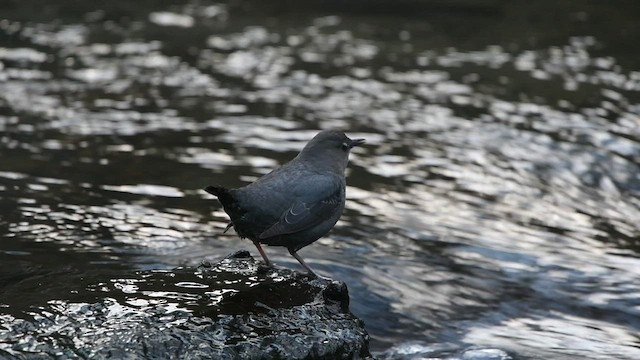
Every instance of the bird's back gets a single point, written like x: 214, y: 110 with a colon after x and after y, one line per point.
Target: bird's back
x: 267, y: 201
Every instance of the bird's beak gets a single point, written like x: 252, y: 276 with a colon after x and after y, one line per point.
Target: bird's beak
x: 356, y: 142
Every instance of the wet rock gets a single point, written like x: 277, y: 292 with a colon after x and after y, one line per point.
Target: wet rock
x: 234, y: 309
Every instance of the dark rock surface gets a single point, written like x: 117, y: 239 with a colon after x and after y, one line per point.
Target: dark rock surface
x: 235, y: 309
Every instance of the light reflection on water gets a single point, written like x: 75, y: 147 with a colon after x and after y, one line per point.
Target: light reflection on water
x: 495, y: 204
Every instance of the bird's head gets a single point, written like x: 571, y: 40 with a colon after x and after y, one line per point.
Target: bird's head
x: 330, y: 148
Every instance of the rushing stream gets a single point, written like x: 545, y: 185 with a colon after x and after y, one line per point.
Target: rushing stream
x: 496, y: 204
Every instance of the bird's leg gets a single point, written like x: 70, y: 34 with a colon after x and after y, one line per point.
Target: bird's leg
x: 295, y: 255
x: 264, y: 255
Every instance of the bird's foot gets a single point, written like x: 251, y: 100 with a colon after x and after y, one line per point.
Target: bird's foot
x: 264, y: 268
x: 317, y: 276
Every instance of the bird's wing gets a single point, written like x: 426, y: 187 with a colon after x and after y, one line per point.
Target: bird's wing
x: 320, y: 199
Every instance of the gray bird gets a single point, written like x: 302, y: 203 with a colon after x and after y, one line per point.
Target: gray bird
x: 296, y: 204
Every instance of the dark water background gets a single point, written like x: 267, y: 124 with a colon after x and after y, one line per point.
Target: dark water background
x: 496, y: 204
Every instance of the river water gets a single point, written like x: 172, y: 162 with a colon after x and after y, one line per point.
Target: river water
x: 495, y: 206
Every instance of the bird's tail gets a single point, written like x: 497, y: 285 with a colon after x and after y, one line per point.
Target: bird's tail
x: 226, y: 198
x: 223, y: 194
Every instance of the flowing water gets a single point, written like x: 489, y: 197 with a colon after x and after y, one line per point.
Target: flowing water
x: 495, y: 206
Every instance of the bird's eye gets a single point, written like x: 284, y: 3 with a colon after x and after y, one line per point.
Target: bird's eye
x: 344, y: 146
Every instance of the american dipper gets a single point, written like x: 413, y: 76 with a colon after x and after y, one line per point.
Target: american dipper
x: 296, y: 204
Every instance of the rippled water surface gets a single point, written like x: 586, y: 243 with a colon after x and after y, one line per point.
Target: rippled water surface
x: 496, y: 204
